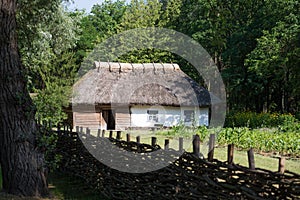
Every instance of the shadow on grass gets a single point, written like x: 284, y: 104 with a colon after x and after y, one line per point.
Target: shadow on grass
x: 64, y: 186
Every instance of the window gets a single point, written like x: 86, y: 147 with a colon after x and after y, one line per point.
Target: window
x: 152, y: 115
x: 188, y: 115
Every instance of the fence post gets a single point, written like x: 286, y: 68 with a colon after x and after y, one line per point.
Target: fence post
x: 251, y: 160
x: 167, y: 142
x: 138, y: 139
x: 50, y: 125
x: 58, y: 129
x: 119, y: 135
x: 44, y: 122
x: 281, y: 166
x: 39, y: 120
x: 230, y: 153
x: 98, y: 133
x: 181, y: 144
x: 103, y: 133
x: 77, y: 129
x: 81, y: 129
x: 128, y: 137
x: 88, y: 132
x: 153, y: 141
x: 211, y: 147
x: 196, y: 145
x: 110, y: 134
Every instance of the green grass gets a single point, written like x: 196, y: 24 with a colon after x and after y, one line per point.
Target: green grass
x: 64, y: 186
x: 264, y: 162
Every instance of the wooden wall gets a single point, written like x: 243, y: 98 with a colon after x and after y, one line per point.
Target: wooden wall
x: 122, y: 118
x: 90, y: 120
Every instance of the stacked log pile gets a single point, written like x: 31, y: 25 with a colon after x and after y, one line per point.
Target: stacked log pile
x: 189, y: 177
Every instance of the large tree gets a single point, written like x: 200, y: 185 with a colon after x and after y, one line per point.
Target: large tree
x: 21, y: 162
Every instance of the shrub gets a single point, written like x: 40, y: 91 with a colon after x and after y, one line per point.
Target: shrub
x: 268, y: 140
x: 46, y: 141
x: 258, y: 120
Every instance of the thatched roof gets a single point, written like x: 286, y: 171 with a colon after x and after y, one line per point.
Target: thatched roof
x: 139, y: 84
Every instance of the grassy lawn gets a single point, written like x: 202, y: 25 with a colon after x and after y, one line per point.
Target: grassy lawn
x: 62, y: 187
x: 264, y: 162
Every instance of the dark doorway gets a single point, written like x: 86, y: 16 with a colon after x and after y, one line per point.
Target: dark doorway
x: 109, y: 117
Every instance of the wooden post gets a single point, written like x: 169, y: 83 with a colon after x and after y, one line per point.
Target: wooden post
x: 181, y: 144
x: 98, y: 133
x: 103, y: 133
x: 281, y: 166
x: 77, y: 129
x: 211, y: 147
x: 196, y: 145
x: 44, y: 122
x: 39, y: 120
x: 138, y: 139
x: 88, y: 131
x: 230, y: 153
x: 167, y: 142
x: 58, y: 128
x: 110, y: 134
x: 81, y: 129
x: 119, y: 135
x: 128, y: 137
x: 251, y: 160
x: 153, y: 141
x: 50, y: 125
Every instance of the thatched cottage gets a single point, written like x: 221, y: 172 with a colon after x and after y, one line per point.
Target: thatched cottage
x: 118, y: 96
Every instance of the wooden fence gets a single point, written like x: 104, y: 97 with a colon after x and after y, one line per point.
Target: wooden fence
x: 189, y: 177
x: 195, y: 143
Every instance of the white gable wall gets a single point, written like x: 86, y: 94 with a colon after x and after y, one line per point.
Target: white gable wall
x: 166, y: 116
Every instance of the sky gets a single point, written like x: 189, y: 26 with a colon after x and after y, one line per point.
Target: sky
x: 84, y: 4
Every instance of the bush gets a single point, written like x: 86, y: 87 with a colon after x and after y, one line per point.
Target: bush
x: 181, y: 130
x: 267, y: 140
x: 258, y: 120
x: 50, y: 103
x: 46, y: 142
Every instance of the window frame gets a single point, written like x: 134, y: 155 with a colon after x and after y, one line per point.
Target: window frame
x: 152, y: 115
x: 190, y: 114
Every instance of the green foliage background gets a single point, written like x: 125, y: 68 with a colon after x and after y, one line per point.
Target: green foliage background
x: 254, y: 43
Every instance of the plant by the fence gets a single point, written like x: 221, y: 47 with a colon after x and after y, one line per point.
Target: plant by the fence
x: 282, y: 140
x: 46, y: 141
x: 258, y: 120
x: 267, y: 140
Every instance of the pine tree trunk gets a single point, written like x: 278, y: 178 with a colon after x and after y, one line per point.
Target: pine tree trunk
x: 21, y: 163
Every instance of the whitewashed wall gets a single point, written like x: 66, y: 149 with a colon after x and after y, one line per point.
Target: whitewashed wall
x: 167, y: 116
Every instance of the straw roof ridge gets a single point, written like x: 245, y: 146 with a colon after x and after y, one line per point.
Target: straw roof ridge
x: 139, y: 84
x: 125, y: 67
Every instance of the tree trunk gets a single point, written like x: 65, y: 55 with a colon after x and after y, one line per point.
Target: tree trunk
x: 21, y: 162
